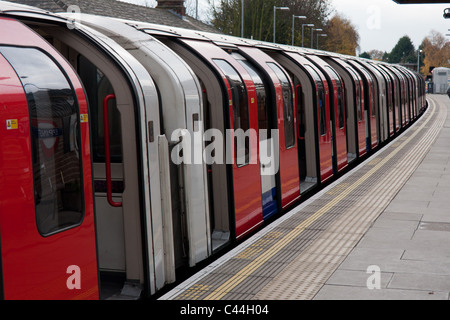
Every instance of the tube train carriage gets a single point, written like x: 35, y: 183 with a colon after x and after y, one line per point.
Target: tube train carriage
x: 91, y: 199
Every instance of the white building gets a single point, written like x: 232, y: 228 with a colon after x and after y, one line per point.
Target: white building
x: 441, y: 80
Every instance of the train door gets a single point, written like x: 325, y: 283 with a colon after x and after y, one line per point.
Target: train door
x: 126, y: 167
x: 412, y: 95
x: 354, y: 91
x: 339, y: 121
x: 404, y: 103
x: 401, y: 94
x: 314, y: 131
x: 408, y: 93
x: 267, y: 142
x: 289, y: 176
x: 389, y: 100
x: 232, y: 103
x: 323, y: 113
x: 338, y: 113
x: 370, y: 107
x: 282, y: 105
x: 181, y: 109
x: 361, y: 116
x: 46, y: 213
x: 420, y: 94
x: 379, y: 100
x: 301, y: 116
x: 372, y: 110
x: 395, y: 98
x: 108, y: 169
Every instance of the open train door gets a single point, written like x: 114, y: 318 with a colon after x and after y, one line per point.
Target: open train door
x: 48, y: 247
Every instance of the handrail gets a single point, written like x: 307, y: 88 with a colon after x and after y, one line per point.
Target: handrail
x: 108, y: 152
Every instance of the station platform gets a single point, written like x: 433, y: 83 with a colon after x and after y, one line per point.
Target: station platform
x: 380, y: 232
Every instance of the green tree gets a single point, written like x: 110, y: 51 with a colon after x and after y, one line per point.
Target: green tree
x: 365, y: 55
x: 403, y: 52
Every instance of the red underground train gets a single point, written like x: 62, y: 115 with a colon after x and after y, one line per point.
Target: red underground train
x: 92, y: 205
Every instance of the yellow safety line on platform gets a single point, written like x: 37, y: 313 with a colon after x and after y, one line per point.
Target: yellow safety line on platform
x: 239, y: 277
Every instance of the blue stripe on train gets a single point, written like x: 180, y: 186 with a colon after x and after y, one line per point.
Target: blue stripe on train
x: 269, y: 202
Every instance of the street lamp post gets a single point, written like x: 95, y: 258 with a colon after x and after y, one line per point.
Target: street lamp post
x: 275, y: 8
x: 312, y: 39
x: 196, y: 9
x: 308, y: 25
x: 322, y: 35
x: 293, y: 25
x: 418, y: 60
x: 242, y: 18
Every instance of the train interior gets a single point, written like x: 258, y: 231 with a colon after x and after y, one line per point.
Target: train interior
x: 218, y: 175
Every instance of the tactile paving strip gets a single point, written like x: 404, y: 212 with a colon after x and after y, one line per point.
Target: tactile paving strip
x: 297, y: 256
x: 323, y: 257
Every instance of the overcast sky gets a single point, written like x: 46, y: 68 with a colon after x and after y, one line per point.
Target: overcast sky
x: 380, y: 23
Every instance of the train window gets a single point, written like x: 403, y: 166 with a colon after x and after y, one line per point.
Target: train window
x: 97, y: 87
x: 358, y: 101
x: 55, y: 139
x: 261, y: 97
x: 358, y: 95
x: 288, y: 106
x: 371, y: 93
x: 340, y: 106
x: 372, y: 98
x: 320, y: 100
x: 239, y: 103
x: 340, y: 92
x: 301, y: 111
x: 322, y: 110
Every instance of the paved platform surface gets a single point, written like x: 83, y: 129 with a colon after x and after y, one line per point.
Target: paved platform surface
x: 409, y: 243
x: 380, y: 232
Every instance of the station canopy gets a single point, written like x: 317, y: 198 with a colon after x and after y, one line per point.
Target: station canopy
x: 420, y: 1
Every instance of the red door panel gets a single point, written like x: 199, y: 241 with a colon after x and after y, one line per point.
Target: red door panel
x: 246, y: 178
x: 340, y: 138
x: 337, y: 109
x: 322, y: 109
x: 361, y: 120
x: 288, y: 155
x: 38, y: 260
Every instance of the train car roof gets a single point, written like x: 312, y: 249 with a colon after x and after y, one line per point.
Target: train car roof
x: 25, y: 11
x: 124, y: 10
x: 180, y: 84
x: 222, y: 40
